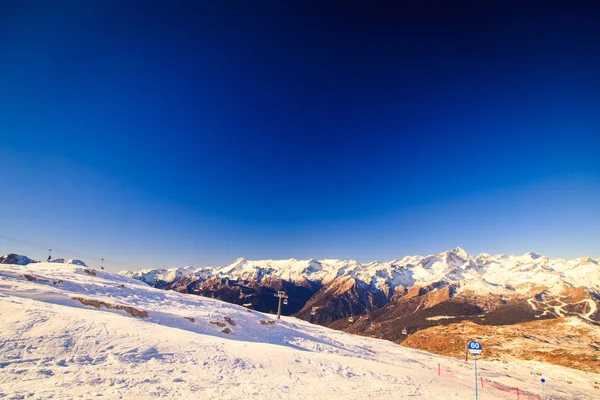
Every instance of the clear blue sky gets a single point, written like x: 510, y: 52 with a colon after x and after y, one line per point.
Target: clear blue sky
x: 163, y: 134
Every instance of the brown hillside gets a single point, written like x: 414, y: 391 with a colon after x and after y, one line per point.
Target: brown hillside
x: 569, y: 342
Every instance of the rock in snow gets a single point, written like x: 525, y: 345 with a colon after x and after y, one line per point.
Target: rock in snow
x: 15, y: 259
x: 63, y: 261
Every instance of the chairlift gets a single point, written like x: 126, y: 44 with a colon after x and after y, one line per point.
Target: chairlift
x: 351, y: 319
x: 285, y: 301
x: 404, y: 331
x: 49, y: 255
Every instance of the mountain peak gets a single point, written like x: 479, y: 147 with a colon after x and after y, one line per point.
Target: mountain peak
x: 459, y: 252
x: 532, y: 255
x: 586, y: 260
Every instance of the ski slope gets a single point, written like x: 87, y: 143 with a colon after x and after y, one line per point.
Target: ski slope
x: 53, y: 346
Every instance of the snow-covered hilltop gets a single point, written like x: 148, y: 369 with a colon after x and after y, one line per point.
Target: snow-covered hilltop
x: 18, y: 259
x: 70, y: 331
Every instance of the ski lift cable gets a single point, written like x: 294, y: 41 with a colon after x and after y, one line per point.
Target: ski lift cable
x: 68, y: 252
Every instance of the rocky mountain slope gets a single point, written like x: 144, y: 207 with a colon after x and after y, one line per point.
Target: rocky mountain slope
x: 329, y: 290
x: 567, y: 341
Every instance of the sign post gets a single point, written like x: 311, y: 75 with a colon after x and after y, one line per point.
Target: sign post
x: 543, y: 395
x: 475, y: 348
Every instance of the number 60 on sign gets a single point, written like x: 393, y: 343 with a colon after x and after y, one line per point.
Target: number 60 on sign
x: 474, y: 347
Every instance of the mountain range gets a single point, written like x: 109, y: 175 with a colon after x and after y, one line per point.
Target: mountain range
x: 325, y: 291
x: 415, y: 300
x: 435, y: 302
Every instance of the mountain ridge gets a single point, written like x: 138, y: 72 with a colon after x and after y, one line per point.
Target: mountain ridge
x: 454, y: 265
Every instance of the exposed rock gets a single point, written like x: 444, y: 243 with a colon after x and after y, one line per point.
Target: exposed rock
x: 341, y: 299
x: 259, y: 296
x: 73, y: 262
x: 16, y: 259
x: 97, y: 304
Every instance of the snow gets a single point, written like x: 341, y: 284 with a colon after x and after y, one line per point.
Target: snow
x: 16, y: 259
x: 440, y: 317
x: 53, y: 346
x: 63, y: 261
x: 481, y: 275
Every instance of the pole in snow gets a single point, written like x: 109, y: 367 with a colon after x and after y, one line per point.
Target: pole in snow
x: 281, y: 294
x: 543, y: 381
x: 475, y: 348
x: 476, y: 383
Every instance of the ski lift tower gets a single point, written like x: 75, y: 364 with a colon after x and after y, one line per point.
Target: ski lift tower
x: 282, y: 296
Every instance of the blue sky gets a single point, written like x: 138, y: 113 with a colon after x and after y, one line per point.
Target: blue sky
x: 162, y: 134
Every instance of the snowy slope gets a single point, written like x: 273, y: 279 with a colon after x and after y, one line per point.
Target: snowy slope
x: 53, y: 346
x: 482, y: 274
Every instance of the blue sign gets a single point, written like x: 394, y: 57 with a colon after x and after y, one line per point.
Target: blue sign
x: 474, y: 347
x: 543, y: 380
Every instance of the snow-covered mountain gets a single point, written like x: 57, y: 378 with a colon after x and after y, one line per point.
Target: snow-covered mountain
x: 70, y: 331
x: 398, y: 298
x: 483, y: 273
x: 374, y: 284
